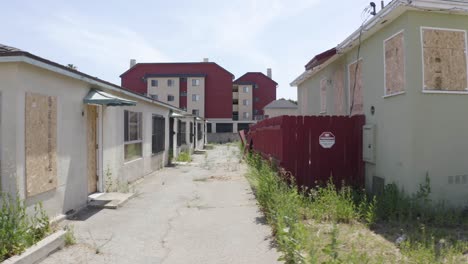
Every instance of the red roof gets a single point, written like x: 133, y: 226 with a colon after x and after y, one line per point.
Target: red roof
x: 320, y: 59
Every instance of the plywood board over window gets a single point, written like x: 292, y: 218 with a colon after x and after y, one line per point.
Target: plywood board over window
x: 355, y: 87
x: 445, y: 63
x: 338, y: 86
x: 323, y: 96
x: 41, y: 143
x: 394, y: 65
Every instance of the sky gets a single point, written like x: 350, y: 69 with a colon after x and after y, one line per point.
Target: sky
x: 100, y: 37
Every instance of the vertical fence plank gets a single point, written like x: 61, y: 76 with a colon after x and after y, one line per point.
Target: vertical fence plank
x: 294, y: 142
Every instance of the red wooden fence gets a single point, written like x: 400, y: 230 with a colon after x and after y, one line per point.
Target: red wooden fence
x: 294, y: 142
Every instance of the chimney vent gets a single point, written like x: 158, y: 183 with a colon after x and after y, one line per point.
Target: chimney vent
x: 132, y: 63
x: 382, y: 3
x: 206, y: 60
x: 269, y: 74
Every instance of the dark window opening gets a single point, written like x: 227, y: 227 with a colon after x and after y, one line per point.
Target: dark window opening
x: 208, y: 128
x: 199, y: 132
x: 224, y: 128
x: 159, y: 135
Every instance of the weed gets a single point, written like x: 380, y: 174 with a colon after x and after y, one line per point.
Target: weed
x: 184, y: 156
x: 432, y: 233
x: 18, y: 230
x: 70, y: 238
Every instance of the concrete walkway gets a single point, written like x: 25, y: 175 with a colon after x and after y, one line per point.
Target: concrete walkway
x: 203, y: 212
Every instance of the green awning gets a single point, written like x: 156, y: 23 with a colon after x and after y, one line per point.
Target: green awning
x: 102, y: 98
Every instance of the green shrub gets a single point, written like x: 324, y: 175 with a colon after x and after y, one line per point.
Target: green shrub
x: 18, y: 230
x: 184, y: 156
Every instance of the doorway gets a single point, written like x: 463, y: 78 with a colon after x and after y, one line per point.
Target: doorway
x: 93, y: 148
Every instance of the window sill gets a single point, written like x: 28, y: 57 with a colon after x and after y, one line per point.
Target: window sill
x: 158, y: 153
x: 133, y: 160
x: 395, y: 94
x: 444, y: 92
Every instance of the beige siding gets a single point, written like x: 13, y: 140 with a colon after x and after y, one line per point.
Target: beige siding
x: 200, y: 92
x: 245, y: 96
x: 163, y: 90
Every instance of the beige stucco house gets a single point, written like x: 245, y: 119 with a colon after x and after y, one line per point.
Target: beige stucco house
x: 280, y: 107
x: 406, y: 71
x: 65, y: 135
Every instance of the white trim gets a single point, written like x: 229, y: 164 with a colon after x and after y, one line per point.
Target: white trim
x: 391, y: 12
x: 322, y: 111
x: 424, y: 90
x: 100, y: 185
x: 133, y: 160
x: 385, y: 66
x: 348, y: 110
x: 394, y: 94
x: 443, y: 92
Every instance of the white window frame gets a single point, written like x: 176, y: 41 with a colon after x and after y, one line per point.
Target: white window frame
x: 196, y: 97
x: 197, y: 112
x: 323, y: 111
x: 348, y: 110
x: 245, y: 89
x: 170, y: 82
x: 173, y: 98
x: 245, y: 102
x: 140, y: 129
x: 246, y: 115
x: 422, y: 59
x: 404, y: 65
x: 156, y: 82
x: 195, y: 82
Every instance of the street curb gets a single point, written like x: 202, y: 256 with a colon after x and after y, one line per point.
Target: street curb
x: 40, y: 250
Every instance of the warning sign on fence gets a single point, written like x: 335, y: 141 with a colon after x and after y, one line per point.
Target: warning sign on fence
x: 327, y: 140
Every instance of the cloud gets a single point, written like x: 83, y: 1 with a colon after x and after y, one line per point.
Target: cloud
x: 107, y: 45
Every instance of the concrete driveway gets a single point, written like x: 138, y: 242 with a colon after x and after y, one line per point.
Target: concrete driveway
x: 202, y: 212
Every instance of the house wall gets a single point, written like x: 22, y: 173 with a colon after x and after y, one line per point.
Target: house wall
x: 416, y: 133
x: 163, y: 90
x: 280, y: 112
x: 16, y: 80
x: 265, y: 90
x: 198, y: 90
x: 245, y: 108
x: 114, y: 165
x: 218, y: 83
x: 71, y: 192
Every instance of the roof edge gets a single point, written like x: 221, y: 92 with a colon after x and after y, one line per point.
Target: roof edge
x: 152, y: 63
x: 34, y: 60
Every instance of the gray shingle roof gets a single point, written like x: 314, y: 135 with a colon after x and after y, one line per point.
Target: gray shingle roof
x: 281, y: 104
x: 5, y: 49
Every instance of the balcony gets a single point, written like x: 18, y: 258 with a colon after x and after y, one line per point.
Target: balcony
x: 235, y: 95
x: 235, y: 108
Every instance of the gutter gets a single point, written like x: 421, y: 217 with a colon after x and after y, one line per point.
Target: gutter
x: 27, y: 59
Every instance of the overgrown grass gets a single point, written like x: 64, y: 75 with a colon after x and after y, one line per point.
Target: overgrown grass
x: 18, y: 230
x: 184, y: 156
x: 330, y: 225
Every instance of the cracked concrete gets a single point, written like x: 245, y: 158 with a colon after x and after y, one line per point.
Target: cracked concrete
x: 203, y: 212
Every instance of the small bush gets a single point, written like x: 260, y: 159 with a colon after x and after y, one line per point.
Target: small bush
x: 18, y: 230
x: 184, y: 156
x: 70, y: 238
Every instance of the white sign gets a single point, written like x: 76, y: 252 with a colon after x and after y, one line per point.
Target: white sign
x: 327, y: 140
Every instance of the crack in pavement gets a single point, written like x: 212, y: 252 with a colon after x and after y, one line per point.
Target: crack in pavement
x: 170, y: 226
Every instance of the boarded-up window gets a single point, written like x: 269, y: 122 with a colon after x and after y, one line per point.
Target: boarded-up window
x: 323, y: 96
x: 355, y: 88
x: 395, y: 65
x: 444, y: 60
x: 338, y: 85
x: 40, y: 143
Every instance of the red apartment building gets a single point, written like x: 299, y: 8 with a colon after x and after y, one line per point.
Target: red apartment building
x: 204, y: 89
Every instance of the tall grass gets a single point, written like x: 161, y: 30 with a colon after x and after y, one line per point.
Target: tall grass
x: 295, y: 214
x: 18, y: 230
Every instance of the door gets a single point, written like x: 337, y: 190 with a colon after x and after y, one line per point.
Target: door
x: 92, y: 146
